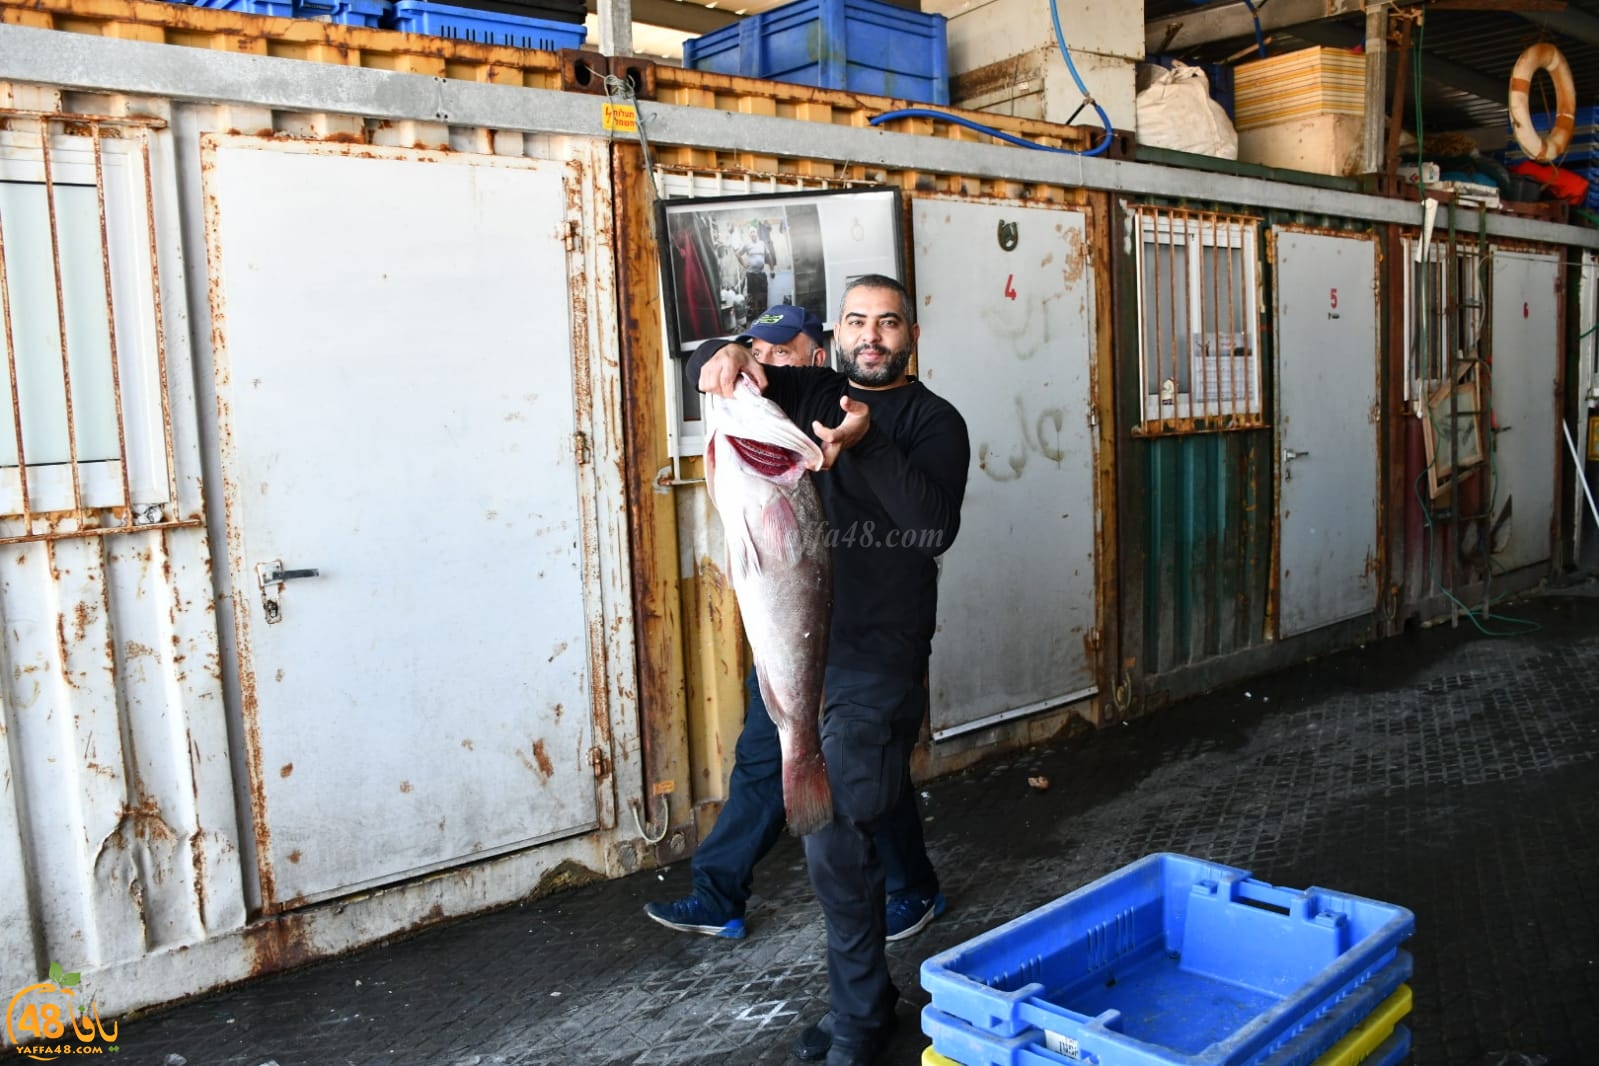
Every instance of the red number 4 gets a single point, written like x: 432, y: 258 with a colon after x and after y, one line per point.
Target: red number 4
x: 1010, y: 290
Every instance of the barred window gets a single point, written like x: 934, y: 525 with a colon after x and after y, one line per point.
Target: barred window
x: 83, y: 419
x: 1198, y: 310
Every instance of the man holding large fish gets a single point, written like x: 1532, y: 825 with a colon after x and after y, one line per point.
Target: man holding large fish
x: 753, y: 815
x: 893, y: 462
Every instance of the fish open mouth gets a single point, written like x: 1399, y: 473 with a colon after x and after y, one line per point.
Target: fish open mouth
x: 767, y: 460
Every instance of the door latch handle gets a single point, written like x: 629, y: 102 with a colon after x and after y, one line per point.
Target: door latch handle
x: 278, y: 574
x: 1289, y: 455
x: 269, y: 578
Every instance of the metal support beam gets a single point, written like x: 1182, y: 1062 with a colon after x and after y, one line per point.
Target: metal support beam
x: 1224, y: 22
x: 1371, y: 141
x: 616, y: 27
x: 139, y: 68
x: 676, y: 15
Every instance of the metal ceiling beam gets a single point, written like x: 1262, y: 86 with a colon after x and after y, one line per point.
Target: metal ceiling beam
x: 676, y: 15
x: 1434, y: 68
x: 1578, y: 25
x: 1224, y: 22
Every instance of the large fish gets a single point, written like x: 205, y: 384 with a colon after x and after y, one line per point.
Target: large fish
x: 757, y: 465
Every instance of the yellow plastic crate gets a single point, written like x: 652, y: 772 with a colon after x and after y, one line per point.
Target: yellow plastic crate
x: 1355, y: 1046
x: 1306, y: 83
x: 1363, y: 1039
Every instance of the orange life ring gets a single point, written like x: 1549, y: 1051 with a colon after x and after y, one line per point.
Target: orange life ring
x: 1542, y: 147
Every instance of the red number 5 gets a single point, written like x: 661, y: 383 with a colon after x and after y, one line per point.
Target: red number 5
x: 1335, y: 299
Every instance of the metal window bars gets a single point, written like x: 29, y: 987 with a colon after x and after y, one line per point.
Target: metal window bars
x: 1198, y: 304
x: 78, y: 323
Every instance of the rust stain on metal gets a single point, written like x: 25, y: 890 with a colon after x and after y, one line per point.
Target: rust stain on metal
x: 286, y: 769
x: 278, y: 944
x: 546, y: 767
x: 406, y: 786
x: 466, y: 742
x: 135, y: 650
x: 1076, y: 257
x: 82, y: 618
x: 567, y: 875
x: 147, y: 823
x: 558, y: 710
x: 294, y: 856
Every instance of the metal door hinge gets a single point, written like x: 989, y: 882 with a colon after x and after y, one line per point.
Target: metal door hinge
x: 600, y: 764
x: 580, y: 448
x: 1093, y: 419
x: 573, y: 235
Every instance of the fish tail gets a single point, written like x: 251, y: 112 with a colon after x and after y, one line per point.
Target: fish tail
x: 807, y: 799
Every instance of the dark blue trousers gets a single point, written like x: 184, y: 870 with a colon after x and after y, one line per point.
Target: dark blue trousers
x: 752, y: 820
x: 871, y: 726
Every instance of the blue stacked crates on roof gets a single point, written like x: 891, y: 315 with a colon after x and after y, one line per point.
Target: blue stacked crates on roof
x: 1581, y: 155
x: 346, y: 12
x: 862, y: 46
x: 485, y: 25
x: 1174, y: 961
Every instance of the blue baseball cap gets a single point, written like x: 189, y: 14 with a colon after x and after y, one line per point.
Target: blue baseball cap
x: 781, y: 323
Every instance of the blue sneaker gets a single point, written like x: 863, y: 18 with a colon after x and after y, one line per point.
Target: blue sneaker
x: 908, y: 913
x: 689, y: 915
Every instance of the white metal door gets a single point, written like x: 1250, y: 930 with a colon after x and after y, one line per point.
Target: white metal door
x: 1005, y: 302
x: 1526, y: 368
x: 1587, y: 377
x: 396, y: 403
x: 1326, y: 317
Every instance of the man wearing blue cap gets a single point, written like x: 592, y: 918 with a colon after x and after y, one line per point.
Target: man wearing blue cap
x: 752, y: 818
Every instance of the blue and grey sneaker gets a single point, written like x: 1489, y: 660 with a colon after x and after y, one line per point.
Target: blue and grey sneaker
x: 908, y: 913
x: 689, y: 915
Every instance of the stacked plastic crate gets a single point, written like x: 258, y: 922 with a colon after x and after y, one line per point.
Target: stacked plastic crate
x: 1581, y: 155
x: 548, y: 25
x: 1174, y: 961
x: 863, y: 46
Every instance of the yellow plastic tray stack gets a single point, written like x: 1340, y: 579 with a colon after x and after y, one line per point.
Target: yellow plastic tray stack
x: 1356, y: 1046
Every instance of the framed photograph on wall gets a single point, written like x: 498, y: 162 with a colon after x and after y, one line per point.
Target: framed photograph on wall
x: 725, y: 259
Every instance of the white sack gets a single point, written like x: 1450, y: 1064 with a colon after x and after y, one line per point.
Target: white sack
x: 1176, y: 112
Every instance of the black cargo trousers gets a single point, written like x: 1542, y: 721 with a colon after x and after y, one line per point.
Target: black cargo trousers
x: 870, y: 726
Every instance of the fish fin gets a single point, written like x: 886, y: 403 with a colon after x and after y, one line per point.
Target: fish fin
x: 746, y: 552
x: 780, y: 536
x: 807, y: 797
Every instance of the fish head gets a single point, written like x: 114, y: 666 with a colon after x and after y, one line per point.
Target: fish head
x: 758, y: 437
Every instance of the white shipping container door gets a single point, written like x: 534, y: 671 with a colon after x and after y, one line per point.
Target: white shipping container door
x: 1326, y: 428
x: 397, y: 409
x: 1526, y: 367
x: 1005, y: 300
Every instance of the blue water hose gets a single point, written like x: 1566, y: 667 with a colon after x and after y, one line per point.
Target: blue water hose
x: 958, y: 120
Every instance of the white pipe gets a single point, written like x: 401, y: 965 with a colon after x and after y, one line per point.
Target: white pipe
x: 1582, y: 477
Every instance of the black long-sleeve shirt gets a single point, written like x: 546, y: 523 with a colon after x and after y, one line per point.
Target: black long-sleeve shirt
x: 893, y: 504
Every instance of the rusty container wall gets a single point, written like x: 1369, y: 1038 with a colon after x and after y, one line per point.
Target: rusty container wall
x: 126, y: 835
x: 1205, y: 546
x: 118, y: 834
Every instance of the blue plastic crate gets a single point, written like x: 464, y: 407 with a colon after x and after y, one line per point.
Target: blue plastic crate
x: 1170, y: 959
x: 486, y: 27
x: 346, y: 12
x: 862, y: 46
x: 1310, y: 1045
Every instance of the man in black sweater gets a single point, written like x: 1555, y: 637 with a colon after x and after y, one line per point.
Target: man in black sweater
x: 897, y: 458
x: 752, y: 818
